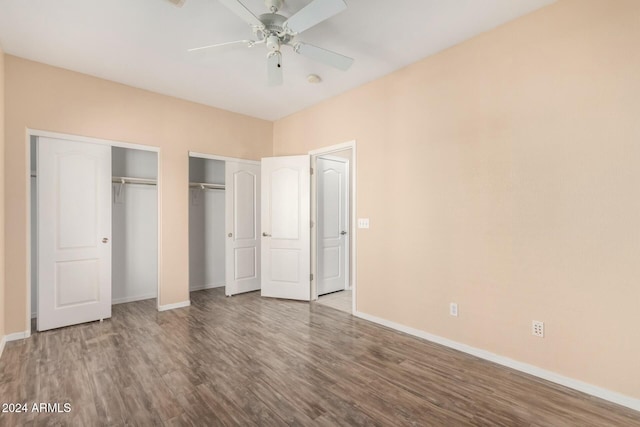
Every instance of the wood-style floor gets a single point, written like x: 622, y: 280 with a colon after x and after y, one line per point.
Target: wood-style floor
x: 248, y: 360
x: 339, y: 300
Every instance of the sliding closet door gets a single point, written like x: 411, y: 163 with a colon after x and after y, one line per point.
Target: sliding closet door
x: 74, y: 232
x: 242, y: 206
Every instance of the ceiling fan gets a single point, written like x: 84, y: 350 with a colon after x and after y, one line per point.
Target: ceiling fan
x: 274, y: 31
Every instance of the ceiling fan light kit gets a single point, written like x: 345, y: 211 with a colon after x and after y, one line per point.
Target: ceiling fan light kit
x: 275, y: 30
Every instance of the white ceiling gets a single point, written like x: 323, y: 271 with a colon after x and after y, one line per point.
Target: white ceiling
x: 143, y: 43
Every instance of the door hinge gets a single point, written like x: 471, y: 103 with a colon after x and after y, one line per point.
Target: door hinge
x: 312, y: 224
x: 311, y: 171
x: 311, y: 277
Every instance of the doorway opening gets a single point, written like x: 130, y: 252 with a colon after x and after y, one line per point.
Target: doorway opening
x: 224, y: 224
x: 75, y: 261
x: 206, y: 224
x: 333, y: 234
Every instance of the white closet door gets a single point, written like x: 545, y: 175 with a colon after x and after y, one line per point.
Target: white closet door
x: 242, y: 206
x: 333, y: 212
x: 286, y: 227
x: 74, y: 233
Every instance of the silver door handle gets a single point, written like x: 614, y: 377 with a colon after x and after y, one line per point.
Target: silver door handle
x: 265, y: 234
x: 105, y: 240
x: 230, y: 234
x: 343, y: 232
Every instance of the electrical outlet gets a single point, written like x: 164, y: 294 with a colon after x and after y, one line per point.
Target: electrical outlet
x: 453, y: 309
x: 537, y: 328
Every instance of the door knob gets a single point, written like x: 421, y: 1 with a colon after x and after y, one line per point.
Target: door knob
x: 265, y: 234
x: 105, y: 240
x: 343, y: 232
x: 230, y: 234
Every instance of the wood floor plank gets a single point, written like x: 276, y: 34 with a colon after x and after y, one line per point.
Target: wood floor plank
x: 248, y: 360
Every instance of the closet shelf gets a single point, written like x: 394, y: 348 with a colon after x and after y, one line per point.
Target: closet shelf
x: 130, y: 180
x: 206, y: 185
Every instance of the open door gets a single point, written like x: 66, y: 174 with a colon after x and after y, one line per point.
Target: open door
x: 74, y: 232
x: 286, y: 227
x: 332, y: 186
x: 242, y: 206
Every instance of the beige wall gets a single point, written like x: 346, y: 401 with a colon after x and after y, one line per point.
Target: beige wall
x: 2, y: 251
x: 502, y: 174
x: 52, y: 99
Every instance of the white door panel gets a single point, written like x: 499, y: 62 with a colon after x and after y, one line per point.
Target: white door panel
x: 285, y: 218
x: 242, y: 182
x: 74, y: 232
x: 285, y: 212
x: 333, y: 212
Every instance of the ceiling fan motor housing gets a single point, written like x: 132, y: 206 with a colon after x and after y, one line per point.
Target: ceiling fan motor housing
x: 273, y: 22
x: 274, y: 31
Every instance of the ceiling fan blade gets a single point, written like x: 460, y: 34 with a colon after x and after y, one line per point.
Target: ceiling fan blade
x: 218, y: 46
x: 212, y: 51
x: 178, y: 3
x: 325, y: 56
x: 241, y: 10
x: 313, y: 14
x: 274, y: 68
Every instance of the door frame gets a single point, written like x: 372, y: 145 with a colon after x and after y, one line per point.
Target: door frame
x: 225, y: 159
x: 352, y: 220
x: 90, y: 140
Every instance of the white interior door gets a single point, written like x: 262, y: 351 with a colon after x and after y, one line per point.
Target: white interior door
x: 242, y: 219
x: 286, y: 227
x: 74, y: 232
x: 332, y: 219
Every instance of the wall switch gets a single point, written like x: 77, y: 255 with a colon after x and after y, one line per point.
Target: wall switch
x: 453, y: 309
x: 537, y: 328
x: 363, y: 222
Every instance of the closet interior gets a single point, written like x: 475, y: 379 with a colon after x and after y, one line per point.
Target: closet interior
x: 206, y: 223
x: 134, y: 261
x: 134, y: 258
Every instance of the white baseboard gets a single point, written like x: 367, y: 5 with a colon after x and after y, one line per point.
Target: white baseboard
x: 590, y: 389
x: 132, y: 299
x: 203, y: 287
x: 12, y: 337
x: 174, y: 306
x: 18, y: 336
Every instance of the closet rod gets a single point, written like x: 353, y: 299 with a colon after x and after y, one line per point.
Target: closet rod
x: 206, y: 185
x: 130, y: 180
x: 124, y: 180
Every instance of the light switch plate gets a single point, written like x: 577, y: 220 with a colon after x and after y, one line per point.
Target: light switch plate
x: 363, y: 222
x: 453, y: 309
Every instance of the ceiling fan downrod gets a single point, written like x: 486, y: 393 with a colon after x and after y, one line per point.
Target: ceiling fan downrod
x: 273, y: 5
